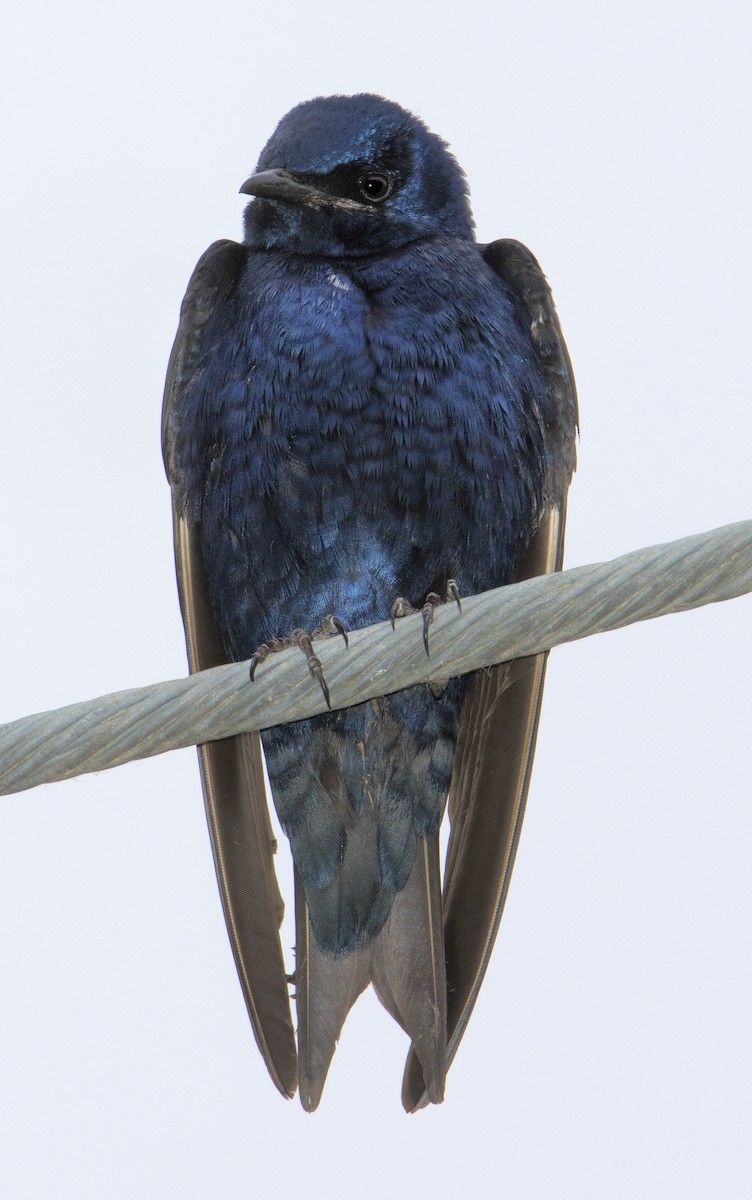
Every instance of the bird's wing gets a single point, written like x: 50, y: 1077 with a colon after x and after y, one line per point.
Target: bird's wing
x: 499, y: 721
x: 231, y: 770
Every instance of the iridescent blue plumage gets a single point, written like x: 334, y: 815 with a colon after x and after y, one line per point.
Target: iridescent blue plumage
x: 362, y: 416
x: 363, y: 430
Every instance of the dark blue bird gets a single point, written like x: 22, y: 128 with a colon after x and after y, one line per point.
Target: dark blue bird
x: 365, y: 408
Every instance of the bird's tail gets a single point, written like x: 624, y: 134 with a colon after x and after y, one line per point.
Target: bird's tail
x: 406, y: 965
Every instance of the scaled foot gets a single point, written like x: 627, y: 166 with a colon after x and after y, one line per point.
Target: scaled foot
x: 403, y: 608
x: 303, y: 640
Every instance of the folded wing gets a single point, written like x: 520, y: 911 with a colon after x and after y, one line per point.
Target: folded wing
x: 232, y: 776
x: 499, y: 722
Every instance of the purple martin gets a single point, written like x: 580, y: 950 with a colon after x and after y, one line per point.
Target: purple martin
x: 366, y: 411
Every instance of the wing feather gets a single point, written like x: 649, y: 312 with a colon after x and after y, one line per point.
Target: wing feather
x: 499, y: 721
x: 232, y: 775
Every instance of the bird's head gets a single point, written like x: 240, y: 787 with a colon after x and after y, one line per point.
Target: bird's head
x: 354, y: 175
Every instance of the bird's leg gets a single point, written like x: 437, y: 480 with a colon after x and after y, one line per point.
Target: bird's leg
x: 403, y: 608
x: 303, y: 640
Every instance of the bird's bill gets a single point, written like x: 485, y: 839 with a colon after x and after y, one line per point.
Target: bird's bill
x: 278, y: 185
x: 281, y: 185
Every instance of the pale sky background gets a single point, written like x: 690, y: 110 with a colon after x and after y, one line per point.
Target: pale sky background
x: 610, y: 1054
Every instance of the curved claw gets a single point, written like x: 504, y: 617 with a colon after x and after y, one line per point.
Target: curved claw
x: 427, y: 621
x: 400, y: 608
x: 263, y: 652
x: 314, y: 666
x: 330, y: 625
x: 453, y: 593
x: 340, y: 627
x: 428, y: 610
x: 302, y: 639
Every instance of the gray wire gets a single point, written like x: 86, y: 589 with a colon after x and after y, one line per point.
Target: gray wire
x: 511, y: 622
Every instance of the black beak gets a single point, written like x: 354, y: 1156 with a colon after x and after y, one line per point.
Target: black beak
x: 280, y: 185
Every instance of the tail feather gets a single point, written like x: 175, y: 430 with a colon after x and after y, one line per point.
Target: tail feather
x: 409, y: 967
x: 326, y: 987
x: 406, y: 964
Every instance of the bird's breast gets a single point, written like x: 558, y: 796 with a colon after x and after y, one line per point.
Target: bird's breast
x: 367, y: 431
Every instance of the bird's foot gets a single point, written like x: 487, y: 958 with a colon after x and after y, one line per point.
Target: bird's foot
x: 403, y: 607
x: 303, y: 640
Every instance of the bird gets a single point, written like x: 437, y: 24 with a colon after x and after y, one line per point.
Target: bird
x: 367, y: 413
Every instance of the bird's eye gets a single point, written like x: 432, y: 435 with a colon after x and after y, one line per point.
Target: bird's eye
x: 375, y: 187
